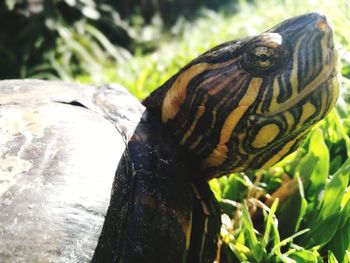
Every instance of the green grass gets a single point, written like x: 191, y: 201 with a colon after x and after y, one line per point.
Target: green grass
x: 296, y: 211
x: 144, y: 73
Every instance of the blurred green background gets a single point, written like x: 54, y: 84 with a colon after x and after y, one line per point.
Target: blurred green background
x: 296, y: 211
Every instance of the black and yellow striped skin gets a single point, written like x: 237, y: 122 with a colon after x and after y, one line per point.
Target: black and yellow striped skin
x: 248, y: 103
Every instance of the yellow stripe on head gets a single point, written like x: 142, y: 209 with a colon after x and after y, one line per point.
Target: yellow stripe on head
x: 219, y: 154
x: 265, y: 135
x: 307, y: 111
x: 283, y: 152
x: 177, y: 93
x: 200, y: 112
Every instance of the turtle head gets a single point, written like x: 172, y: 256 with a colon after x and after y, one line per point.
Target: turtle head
x: 248, y: 103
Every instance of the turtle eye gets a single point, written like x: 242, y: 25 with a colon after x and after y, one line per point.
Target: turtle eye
x: 260, y: 59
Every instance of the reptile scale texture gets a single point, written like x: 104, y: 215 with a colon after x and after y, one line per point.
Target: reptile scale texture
x: 90, y: 174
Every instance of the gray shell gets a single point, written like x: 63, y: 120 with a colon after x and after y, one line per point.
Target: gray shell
x: 60, y: 145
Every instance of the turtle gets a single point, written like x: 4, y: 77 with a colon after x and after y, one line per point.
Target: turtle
x: 89, y: 173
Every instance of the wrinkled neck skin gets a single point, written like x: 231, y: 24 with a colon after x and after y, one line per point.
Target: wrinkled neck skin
x: 155, y: 211
x: 153, y: 104
x: 161, y: 151
x: 160, y: 148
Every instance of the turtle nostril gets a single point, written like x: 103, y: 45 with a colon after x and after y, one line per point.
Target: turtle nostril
x: 323, y: 25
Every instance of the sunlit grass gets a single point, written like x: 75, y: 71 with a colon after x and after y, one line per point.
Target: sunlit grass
x: 144, y: 73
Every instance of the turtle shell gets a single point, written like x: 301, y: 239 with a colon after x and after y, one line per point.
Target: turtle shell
x: 86, y: 174
x: 60, y: 147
